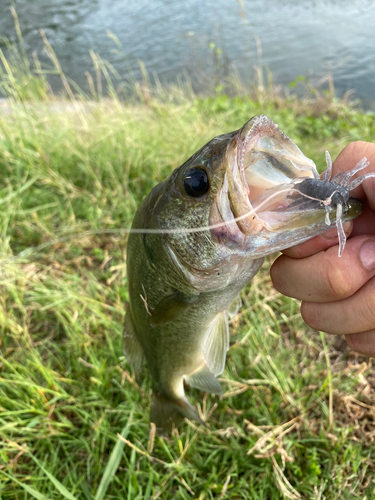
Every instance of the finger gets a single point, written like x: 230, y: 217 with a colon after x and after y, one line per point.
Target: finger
x: 348, y: 158
x: 363, y: 342
x: 355, y: 314
x: 319, y: 243
x: 365, y: 223
x: 325, y: 277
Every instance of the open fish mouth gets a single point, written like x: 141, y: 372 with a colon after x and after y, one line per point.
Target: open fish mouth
x: 271, y: 187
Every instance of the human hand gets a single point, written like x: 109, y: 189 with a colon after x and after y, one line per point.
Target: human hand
x: 338, y: 293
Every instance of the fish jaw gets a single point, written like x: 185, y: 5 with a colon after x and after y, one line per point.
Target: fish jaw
x: 272, y: 196
x: 293, y: 228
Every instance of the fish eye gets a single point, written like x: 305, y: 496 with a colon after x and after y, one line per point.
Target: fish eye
x: 196, y: 182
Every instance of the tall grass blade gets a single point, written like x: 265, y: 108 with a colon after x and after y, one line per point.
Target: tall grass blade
x: 113, y: 463
x: 28, y: 489
x: 18, y: 191
x: 59, y: 486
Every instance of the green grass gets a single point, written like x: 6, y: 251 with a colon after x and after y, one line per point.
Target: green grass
x: 296, y: 419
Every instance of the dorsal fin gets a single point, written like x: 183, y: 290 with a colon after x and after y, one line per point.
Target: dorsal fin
x: 203, y: 379
x: 216, y: 343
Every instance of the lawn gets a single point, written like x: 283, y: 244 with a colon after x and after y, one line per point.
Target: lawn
x: 296, y: 419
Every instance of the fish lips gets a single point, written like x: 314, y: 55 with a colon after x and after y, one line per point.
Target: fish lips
x: 272, y: 190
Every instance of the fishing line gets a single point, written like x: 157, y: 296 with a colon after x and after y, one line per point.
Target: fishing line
x: 340, y: 178
x: 33, y: 250
x: 253, y: 211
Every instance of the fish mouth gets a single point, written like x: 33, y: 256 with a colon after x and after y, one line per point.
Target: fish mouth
x: 272, y: 191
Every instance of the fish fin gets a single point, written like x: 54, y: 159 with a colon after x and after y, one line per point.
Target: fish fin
x: 204, y: 380
x: 166, y: 413
x: 131, y: 346
x: 169, y: 309
x: 235, y: 307
x: 216, y: 343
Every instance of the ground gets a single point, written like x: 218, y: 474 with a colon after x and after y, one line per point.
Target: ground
x: 296, y: 419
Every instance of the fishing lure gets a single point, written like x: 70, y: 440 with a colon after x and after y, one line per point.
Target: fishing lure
x: 321, y: 190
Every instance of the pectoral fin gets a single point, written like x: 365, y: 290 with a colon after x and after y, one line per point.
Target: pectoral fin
x: 170, y: 308
x: 235, y: 307
x: 131, y: 345
x: 216, y: 343
x: 203, y: 379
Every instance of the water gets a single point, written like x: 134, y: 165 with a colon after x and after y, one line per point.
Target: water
x: 297, y: 37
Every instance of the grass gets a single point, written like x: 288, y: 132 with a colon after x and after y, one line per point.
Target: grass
x: 296, y: 419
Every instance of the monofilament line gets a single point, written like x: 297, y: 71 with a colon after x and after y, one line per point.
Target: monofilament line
x: 201, y: 229
x: 343, y: 179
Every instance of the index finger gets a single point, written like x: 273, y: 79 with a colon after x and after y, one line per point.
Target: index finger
x: 348, y: 158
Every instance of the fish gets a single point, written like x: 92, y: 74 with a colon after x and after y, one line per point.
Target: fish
x: 199, y: 237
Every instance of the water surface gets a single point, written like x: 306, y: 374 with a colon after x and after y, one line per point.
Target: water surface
x: 297, y: 37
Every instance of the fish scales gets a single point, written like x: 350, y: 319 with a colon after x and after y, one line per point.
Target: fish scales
x: 233, y: 202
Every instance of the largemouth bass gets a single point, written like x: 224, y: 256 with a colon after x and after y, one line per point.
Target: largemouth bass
x: 199, y: 237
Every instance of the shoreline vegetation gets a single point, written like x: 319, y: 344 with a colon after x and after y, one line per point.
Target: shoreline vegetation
x: 296, y: 419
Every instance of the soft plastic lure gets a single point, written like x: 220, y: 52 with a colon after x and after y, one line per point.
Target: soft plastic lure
x: 317, y: 189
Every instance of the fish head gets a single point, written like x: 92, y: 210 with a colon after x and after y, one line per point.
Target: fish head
x: 272, y: 196
x: 242, y: 196
x: 182, y: 207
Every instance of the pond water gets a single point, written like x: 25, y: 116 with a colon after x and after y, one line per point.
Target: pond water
x: 296, y: 37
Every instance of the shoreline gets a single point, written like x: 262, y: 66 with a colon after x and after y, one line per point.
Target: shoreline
x: 60, y: 104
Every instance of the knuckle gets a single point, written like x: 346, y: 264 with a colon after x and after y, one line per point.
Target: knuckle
x: 356, y: 148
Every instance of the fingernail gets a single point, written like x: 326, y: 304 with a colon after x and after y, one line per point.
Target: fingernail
x: 332, y: 233
x: 367, y: 254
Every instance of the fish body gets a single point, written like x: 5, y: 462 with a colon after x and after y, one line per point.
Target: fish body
x: 198, y: 238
